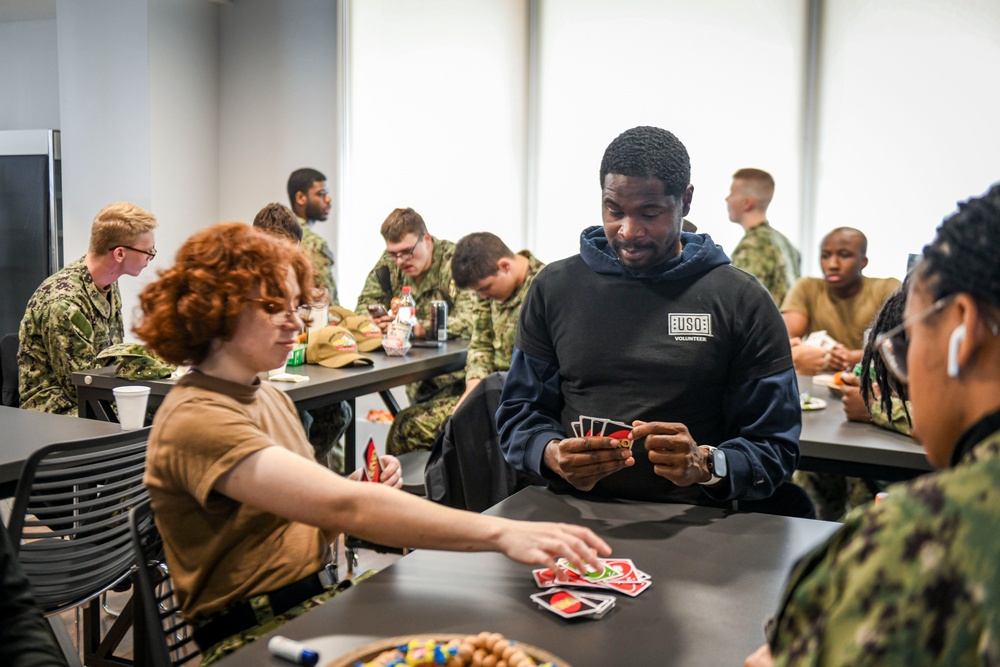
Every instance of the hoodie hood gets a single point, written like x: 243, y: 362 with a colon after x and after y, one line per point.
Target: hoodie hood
x: 699, y: 254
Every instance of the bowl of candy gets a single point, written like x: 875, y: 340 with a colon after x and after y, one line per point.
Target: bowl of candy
x: 448, y: 649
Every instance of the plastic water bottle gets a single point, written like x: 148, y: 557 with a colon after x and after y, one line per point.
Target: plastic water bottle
x: 407, y: 313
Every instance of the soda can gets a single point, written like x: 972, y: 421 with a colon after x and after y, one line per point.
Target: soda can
x: 439, y: 321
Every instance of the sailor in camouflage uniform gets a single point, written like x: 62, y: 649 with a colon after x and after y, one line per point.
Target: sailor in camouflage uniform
x: 416, y: 259
x: 484, y: 264
x: 77, y: 312
x: 311, y: 201
x: 763, y: 251
x: 915, y: 579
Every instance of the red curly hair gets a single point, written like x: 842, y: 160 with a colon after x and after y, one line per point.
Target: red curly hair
x: 199, y: 298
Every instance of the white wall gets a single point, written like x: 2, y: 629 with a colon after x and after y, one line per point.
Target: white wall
x: 725, y: 77
x: 104, y: 112
x: 138, y: 84
x: 184, y: 126
x: 277, y: 102
x: 29, y: 76
x: 908, y: 126
x: 437, y: 114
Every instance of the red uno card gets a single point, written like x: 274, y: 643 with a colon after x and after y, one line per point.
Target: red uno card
x: 619, y: 431
x: 570, y: 605
x: 372, y: 471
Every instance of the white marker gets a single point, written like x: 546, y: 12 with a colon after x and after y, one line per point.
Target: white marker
x: 293, y: 651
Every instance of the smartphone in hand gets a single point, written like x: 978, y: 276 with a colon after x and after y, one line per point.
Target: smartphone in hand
x: 376, y: 310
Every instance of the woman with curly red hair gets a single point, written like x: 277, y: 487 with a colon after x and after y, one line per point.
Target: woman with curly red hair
x: 246, y: 514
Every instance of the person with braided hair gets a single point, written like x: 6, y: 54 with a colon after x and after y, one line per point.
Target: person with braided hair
x: 875, y: 396
x: 915, y: 579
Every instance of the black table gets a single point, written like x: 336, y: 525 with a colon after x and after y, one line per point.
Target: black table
x: 830, y: 443
x: 716, y: 576
x: 325, y: 385
x: 26, y: 431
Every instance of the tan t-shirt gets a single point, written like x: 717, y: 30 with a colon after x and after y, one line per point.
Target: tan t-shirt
x: 220, y: 551
x: 845, y: 320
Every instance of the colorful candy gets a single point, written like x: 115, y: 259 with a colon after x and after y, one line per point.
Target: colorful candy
x: 487, y: 649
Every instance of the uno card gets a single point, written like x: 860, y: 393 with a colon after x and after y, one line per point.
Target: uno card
x: 619, y: 431
x: 372, y: 471
x: 577, y: 428
x: 569, y: 604
x: 618, y: 574
x: 586, y: 425
x: 820, y: 339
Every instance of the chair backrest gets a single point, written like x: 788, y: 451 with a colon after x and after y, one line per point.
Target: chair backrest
x: 69, y: 520
x: 8, y: 370
x: 167, y: 640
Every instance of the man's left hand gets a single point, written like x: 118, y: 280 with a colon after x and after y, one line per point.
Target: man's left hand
x: 673, y: 452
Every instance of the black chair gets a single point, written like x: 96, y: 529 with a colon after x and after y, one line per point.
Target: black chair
x: 8, y: 370
x: 166, y: 640
x: 69, y: 526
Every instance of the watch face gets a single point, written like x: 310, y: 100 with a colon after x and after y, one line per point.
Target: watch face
x: 719, y: 465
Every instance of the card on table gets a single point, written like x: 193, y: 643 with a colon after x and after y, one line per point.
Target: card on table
x: 569, y: 604
x: 617, y: 574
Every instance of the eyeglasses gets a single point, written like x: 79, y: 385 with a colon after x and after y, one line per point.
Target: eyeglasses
x: 894, y: 344
x: 151, y: 253
x: 403, y: 256
x: 279, y: 316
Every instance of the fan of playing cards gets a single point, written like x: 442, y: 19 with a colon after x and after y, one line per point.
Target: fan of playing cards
x: 596, y: 427
x: 616, y: 574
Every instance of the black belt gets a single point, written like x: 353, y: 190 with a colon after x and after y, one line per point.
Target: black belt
x: 240, y: 616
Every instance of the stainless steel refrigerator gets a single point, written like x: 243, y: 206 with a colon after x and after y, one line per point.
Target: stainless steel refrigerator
x: 31, y: 247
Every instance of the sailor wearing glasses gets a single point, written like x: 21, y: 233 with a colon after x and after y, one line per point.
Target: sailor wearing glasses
x: 77, y: 312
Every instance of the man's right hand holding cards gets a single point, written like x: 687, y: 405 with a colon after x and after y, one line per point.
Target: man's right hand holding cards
x: 601, y: 447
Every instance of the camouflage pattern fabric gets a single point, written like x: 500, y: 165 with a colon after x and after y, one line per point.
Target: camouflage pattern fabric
x: 318, y: 250
x: 896, y: 422
x: 136, y: 362
x: 417, y: 426
x: 765, y: 253
x: 268, y: 621
x: 494, y: 328
x: 833, y: 495
x: 67, y: 322
x: 913, y: 580
x: 437, y: 285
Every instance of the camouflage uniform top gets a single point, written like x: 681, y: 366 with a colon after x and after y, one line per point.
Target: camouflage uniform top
x: 437, y: 285
x: 897, y: 421
x: 494, y: 327
x: 765, y: 253
x: 67, y: 322
x: 914, y: 580
x: 318, y: 250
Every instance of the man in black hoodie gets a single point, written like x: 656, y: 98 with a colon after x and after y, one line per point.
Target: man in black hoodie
x: 653, y: 327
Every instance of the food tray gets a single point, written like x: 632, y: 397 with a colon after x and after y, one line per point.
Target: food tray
x: 371, y: 650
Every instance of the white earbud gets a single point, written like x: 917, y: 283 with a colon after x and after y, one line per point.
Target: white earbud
x: 957, y: 336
